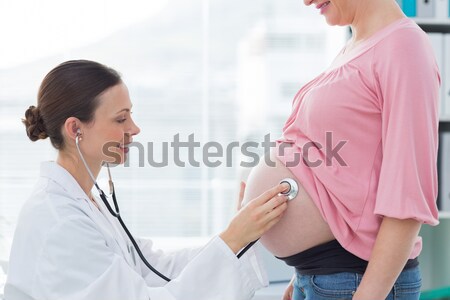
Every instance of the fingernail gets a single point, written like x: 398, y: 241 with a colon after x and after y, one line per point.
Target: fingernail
x: 285, y: 186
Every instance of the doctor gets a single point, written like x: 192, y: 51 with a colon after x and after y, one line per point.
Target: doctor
x: 68, y: 246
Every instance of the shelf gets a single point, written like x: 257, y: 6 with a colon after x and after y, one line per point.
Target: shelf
x: 433, y: 25
x: 444, y: 215
x: 444, y: 126
x: 431, y: 21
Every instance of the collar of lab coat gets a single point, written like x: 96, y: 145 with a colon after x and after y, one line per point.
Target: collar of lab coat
x: 53, y: 171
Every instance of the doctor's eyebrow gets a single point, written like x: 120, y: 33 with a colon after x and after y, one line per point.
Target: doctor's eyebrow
x: 125, y: 109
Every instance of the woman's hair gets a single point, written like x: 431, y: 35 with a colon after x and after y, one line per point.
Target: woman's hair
x: 69, y: 90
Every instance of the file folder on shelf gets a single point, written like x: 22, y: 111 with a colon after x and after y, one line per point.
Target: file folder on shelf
x: 444, y: 171
x: 446, y: 78
x: 442, y: 9
x: 425, y: 8
x: 409, y: 8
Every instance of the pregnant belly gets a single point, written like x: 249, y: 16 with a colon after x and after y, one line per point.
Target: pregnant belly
x: 302, y: 225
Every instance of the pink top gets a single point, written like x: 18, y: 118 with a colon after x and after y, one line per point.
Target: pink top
x: 382, y: 102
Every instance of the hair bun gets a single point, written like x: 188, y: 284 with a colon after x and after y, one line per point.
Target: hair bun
x: 34, y: 124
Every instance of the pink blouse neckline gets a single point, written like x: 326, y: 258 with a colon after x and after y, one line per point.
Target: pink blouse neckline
x: 359, y: 49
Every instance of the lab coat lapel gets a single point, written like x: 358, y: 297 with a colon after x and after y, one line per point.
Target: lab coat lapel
x: 106, y: 222
x: 111, y: 225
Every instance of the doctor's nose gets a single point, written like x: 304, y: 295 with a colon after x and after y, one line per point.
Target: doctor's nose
x: 134, y: 129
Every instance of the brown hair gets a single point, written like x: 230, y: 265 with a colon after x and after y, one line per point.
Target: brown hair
x: 69, y: 90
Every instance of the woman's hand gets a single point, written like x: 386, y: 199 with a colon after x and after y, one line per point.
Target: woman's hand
x: 255, y: 218
x: 289, y: 290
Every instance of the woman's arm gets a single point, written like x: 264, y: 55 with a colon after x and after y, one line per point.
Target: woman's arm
x: 393, y: 245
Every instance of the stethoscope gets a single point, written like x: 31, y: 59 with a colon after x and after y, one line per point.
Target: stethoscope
x: 291, y: 193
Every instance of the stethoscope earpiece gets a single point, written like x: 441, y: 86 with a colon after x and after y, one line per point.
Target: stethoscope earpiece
x: 292, y: 192
x: 78, y: 136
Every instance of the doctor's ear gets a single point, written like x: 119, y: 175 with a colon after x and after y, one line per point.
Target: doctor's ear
x: 72, y: 129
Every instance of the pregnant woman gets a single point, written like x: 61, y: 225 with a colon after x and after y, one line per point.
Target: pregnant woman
x: 361, y: 141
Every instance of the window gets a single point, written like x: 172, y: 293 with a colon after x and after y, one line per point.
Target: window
x: 223, y: 71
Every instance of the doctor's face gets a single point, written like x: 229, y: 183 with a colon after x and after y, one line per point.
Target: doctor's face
x: 107, y: 137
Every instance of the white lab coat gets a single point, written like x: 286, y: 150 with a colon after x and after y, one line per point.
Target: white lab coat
x: 65, y: 248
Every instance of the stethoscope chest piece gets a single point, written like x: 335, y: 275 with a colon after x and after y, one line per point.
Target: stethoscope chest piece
x: 292, y: 192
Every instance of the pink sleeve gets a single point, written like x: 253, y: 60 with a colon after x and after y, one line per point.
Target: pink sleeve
x: 408, y: 87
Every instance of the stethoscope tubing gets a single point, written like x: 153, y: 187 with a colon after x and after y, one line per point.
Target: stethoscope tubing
x: 291, y: 193
x: 116, y: 213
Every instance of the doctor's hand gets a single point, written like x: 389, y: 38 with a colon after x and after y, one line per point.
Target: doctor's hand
x: 255, y: 218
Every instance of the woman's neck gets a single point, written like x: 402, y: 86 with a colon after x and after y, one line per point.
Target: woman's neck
x: 372, y: 16
x: 74, y: 165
